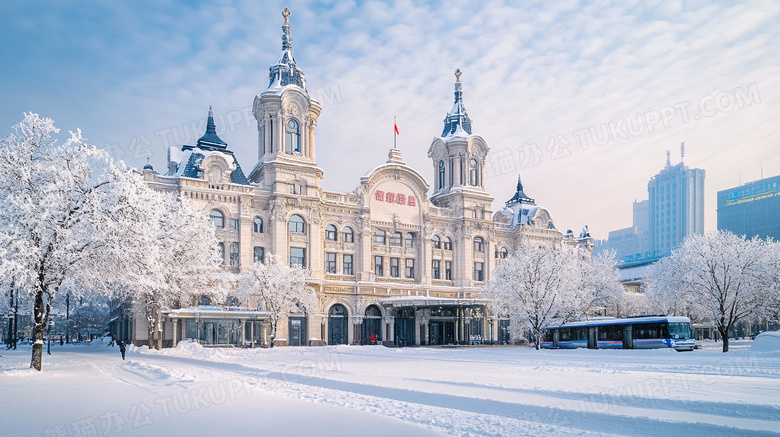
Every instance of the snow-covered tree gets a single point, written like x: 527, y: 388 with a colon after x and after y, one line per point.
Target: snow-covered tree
x: 50, y: 215
x: 541, y: 286
x: 280, y: 288
x: 718, y: 276
x: 164, y: 250
x: 608, y: 292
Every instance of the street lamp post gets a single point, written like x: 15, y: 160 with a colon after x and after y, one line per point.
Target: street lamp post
x: 48, y: 334
x: 67, y: 317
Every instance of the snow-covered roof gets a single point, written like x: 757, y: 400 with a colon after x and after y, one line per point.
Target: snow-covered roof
x: 425, y: 301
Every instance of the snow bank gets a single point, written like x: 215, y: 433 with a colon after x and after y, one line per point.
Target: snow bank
x: 767, y: 342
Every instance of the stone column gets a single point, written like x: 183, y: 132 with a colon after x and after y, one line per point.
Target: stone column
x: 243, y: 332
x: 175, y: 331
x: 389, y: 328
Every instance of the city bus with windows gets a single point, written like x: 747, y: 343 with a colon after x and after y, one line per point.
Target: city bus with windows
x: 645, y: 332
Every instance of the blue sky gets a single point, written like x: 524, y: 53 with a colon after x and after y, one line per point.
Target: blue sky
x: 553, y: 87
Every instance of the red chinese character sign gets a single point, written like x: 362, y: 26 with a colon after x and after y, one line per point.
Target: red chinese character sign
x: 395, y: 200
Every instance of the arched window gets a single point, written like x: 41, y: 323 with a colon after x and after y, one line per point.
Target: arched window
x: 331, y: 232
x: 479, y: 244
x: 447, y: 243
x: 379, y: 236
x: 217, y: 218
x: 504, y: 253
x: 473, y: 172
x: 292, y: 137
x: 257, y: 225
x: 436, y: 241
x: 441, y: 174
x: 396, y: 238
x: 297, y: 225
x: 349, y: 235
x: 411, y: 240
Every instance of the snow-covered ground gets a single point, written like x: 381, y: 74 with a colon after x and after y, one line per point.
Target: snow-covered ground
x: 87, y: 390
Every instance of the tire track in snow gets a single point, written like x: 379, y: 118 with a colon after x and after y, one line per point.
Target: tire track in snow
x: 634, y: 421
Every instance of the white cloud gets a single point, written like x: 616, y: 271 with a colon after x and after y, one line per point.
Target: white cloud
x: 530, y: 72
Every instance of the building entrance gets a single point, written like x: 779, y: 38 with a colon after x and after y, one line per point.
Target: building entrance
x: 337, y: 325
x: 297, y: 331
x: 441, y: 332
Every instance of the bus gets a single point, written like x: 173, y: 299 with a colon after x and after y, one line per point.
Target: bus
x: 645, y: 332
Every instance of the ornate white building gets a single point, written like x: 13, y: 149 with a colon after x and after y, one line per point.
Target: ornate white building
x: 385, y: 259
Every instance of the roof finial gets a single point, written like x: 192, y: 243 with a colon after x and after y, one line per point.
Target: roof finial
x: 682, y: 151
x: 287, y: 37
x: 211, y: 112
x: 457, y: 75
x: 519, y: 184
x: 668, y: 159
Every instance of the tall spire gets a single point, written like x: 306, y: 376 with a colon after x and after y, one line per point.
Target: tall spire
x: 285, y: 71
x: 457, y: 118
x: 210, y: 140
x: 520, y: 196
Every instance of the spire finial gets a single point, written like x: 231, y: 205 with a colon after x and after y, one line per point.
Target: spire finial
x: 287, y: 37
x: 457, y: 75
x: 668, y: 159
x: 519, y: 184
x: 682, y: 151
x: 211, y: 112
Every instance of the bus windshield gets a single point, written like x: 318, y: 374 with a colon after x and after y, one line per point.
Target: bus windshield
x: 680, y: 330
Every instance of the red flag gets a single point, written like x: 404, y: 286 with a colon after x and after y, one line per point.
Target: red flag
x: 396, y: 129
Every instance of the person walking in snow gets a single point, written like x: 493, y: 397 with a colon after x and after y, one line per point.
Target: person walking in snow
x: 122, y: 348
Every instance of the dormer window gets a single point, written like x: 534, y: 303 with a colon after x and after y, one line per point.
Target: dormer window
x: 292, y: 137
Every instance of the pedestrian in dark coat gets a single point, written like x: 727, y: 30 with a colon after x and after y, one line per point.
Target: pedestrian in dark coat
x: 122, y: 348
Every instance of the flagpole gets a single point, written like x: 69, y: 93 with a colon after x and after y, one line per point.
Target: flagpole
x: 395, y: 135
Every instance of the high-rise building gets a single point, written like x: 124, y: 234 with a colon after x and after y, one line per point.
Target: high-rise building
x: 673, y: 211
x: 676, y: 205
x: 752, y: 209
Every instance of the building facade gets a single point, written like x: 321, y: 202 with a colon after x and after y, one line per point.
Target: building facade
x: 752, y: 209
x: 386, y: 259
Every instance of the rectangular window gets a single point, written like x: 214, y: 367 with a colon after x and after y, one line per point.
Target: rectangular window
x: 435, y: 269
x: 233, y: 224
x: 330, y: 263
x: 479, y: 274
x: 259, y: 254
x: 348, y: 270
x: 234, y: 254
x: 379, y: 266
x: 221, y: 251
x: 395, y: 239
x: 298, y: 256
x: 410, y: 268
x: 394, y: 267
x: 448, y: 270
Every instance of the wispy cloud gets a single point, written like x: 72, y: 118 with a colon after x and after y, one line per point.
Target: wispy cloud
x: 531, y: 72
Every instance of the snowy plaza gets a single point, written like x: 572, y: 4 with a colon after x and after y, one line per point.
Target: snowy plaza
x: 87, y: 390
